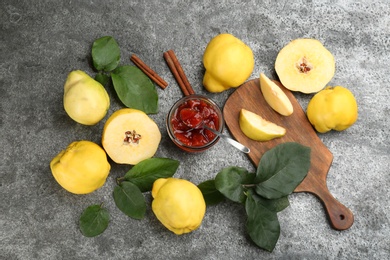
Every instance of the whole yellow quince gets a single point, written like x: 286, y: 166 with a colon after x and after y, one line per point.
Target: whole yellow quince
x: 81, y: 168
x: 228, y: 62
x: 86, y: 101
x: 332, y: 108
x: 178, y: 204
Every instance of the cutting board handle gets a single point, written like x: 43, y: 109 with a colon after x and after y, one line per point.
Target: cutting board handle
x: 340, y: 217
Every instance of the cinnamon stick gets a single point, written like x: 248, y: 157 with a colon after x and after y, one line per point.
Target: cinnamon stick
x: 178, y: 73
x: 148, y: 71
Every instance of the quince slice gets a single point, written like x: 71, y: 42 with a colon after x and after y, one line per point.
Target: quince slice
x: 275, y: 97
x: 130, y: 136
x: 305, y: 65
x: 257, y: 128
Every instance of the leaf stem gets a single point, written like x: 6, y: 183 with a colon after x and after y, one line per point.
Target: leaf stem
x: 248, y: 185
x: 119, y: 180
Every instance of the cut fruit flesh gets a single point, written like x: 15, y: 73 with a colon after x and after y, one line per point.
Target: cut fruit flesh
x: 305, y: 65
x: 130, y: 136
x: 257, y: 128
x: 275, y: 97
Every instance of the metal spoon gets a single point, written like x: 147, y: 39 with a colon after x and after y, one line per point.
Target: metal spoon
x: 199, y: 123
x: 231, y: 141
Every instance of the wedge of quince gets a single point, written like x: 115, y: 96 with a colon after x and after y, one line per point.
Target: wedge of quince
x: 275, y: 97
x: 257, y: 128
x: 305, y: 65
x: 130, y: 136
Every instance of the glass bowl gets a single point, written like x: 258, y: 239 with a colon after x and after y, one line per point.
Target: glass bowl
x: 191, y: 138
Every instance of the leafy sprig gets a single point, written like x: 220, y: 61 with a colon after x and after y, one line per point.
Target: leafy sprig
x: 133, y: 87
x: 128, y: 194
x: 264, y: 193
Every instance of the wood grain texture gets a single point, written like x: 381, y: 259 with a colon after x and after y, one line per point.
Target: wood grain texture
x: 299, y: 129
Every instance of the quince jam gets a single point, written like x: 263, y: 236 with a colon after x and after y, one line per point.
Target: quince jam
x: 188, y: 122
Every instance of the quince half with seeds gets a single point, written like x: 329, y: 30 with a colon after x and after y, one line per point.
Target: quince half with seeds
x: 305, y: 65
x: 275, y: 97
x: 130, y: 136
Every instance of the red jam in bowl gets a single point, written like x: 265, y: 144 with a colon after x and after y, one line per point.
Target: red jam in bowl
x: 186, y: 122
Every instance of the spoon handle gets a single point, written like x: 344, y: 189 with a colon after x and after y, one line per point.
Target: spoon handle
x: 231, y: 141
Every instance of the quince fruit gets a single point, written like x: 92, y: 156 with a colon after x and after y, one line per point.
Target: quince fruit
x: 305, y: 65
x: 257, y: 128
x: 228, y: 62
x: 332, y: 108
x: 275, y: 97
x: 81, y: 168
x: 130, y: 136
x: 178, y: 204
x: 85, y: 100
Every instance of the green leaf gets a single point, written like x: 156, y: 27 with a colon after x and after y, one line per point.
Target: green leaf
x: 144, y: 173
x: 262, y: 224
x: 210, y: 193
x: 230, y: 182
x: 129, y: 199
x: 105, y: 54
x: 94, y: 220
x: 102, y: 78
x: 275, y: 205
x: 135, y: 89
x: 282, y: 169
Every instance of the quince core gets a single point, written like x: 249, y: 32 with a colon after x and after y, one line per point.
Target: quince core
x: 305, y: 65
x: 130, y: 136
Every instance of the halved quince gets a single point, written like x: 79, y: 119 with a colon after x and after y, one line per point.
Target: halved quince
x: 257, y: 128
x: 130, y: 136
x: 305, y: 65
x: 275, y: 97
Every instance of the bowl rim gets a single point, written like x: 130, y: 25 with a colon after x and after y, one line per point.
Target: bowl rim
x: 176, y: 105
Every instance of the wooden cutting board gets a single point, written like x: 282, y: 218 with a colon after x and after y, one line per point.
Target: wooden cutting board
x: 299, y: 129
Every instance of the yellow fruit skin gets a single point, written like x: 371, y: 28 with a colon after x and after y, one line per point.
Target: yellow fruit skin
x: 86, y: 101
x: 81, y: 168
x: 250, y: 122
x: 178, y: 204
x: 228, y: 62
x: 129, y: 119
x: 333, y: 108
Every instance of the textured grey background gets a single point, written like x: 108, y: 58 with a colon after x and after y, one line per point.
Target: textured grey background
x: 42, y: 41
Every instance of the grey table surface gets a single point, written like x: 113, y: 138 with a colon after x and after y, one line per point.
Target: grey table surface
x: 42, y: 41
